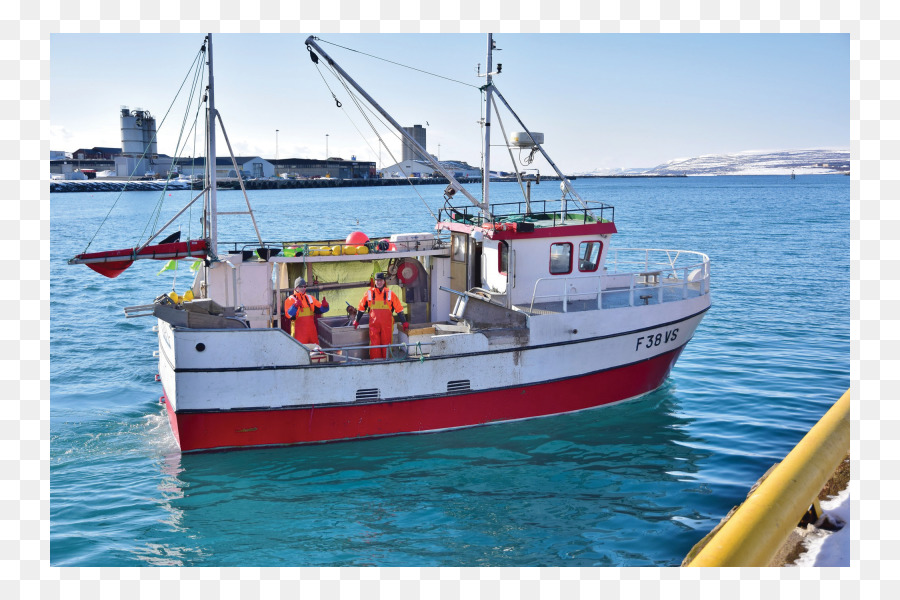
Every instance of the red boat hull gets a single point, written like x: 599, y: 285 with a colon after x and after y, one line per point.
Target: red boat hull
x: 223, y: 429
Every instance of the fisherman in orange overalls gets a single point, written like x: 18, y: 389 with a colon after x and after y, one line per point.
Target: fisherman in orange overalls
x: 301, y: 308
x: 381, y: 304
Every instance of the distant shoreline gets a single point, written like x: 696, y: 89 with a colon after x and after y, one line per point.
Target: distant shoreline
x: 117, y: 184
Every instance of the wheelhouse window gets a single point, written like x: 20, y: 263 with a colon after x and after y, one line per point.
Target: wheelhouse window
x: 589, y: 256
x: 503, y: 258
x: 561, y: 258
x: 458, y: 247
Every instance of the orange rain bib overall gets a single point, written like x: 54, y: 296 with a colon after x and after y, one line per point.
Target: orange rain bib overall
x: 303, y: 327
x: 381, y: 305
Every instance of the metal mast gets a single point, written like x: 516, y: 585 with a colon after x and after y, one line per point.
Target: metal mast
x: 486, y: 180
x: 211, y: 155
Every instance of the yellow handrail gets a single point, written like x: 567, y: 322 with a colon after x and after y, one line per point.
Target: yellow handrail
x: 760, y: 526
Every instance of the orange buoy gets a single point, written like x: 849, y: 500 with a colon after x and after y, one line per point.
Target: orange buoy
x: 357, y: 238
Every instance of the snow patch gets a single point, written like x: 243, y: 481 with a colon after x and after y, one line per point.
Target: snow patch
x: 811, y: 161
x: 829, y: 548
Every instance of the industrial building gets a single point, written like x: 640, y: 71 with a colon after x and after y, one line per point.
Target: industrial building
x: 421, y: 168
x: 332, y: 167
x: 417, y: 132
x: 64, y: 166
x: 414, y: 164
x: 138, y: 158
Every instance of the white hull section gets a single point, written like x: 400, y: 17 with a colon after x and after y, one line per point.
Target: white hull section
x: 245, y: 369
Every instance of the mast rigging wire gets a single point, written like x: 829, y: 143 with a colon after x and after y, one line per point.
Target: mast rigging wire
x: 197, y: 59
x: 506, y: 144
x: 396, y: 63
x: 178, y: 149
x: 360, y: 107
x: 525, y: 161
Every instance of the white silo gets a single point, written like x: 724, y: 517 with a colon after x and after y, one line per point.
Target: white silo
x: 149, y: 128
x: 138, y: 132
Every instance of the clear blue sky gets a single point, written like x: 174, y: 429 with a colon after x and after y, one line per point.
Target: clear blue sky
x: 602, y: 101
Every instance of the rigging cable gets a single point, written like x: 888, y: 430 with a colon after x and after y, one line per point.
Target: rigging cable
x: 359, y: 107
x: 506, y: 144
x: 528, y: 159
x: 319, y: 71
x: 362, y: 107
x: 396, y: 63
x: 197, y: 58
x: 178, y: 150
x: 315, y: 60
x: 195, y: 130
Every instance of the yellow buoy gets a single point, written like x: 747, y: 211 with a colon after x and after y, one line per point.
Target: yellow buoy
x: 175, y: 297
x: 335, y: 250
x: 188, y: 295
x: 362, y: 249
x: 350, y: 249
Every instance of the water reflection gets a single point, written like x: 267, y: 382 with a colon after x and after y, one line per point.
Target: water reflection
x: 611, y: 486
x: 633, y: 484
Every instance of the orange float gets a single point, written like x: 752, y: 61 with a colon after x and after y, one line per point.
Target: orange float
x: 357, y: 238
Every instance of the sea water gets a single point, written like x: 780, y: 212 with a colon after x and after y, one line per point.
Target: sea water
x: 638, y: 483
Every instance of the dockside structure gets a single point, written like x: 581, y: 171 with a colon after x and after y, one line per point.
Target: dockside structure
x: 250, y: 167
x: 329, y: 168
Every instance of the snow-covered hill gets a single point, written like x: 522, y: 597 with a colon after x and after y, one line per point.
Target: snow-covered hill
x: 751, y: 162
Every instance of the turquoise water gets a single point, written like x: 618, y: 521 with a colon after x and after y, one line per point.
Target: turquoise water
x: 633, y: 484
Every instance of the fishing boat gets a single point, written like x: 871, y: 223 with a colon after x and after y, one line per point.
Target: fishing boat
x: 516, y: 310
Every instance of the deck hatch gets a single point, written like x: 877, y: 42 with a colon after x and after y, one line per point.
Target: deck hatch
x: 368, y: 394
x: 460, y: 385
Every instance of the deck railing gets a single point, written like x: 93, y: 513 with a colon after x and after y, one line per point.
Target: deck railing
x: 647, y: 259
x: 340, y: 354
x: 653, y: 277
x: 375, y: 248
x: 554, y: 212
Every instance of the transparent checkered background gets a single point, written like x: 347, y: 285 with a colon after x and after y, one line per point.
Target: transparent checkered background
x: 26, y: 28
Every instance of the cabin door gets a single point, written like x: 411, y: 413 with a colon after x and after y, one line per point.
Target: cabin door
x: 459, y: 255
